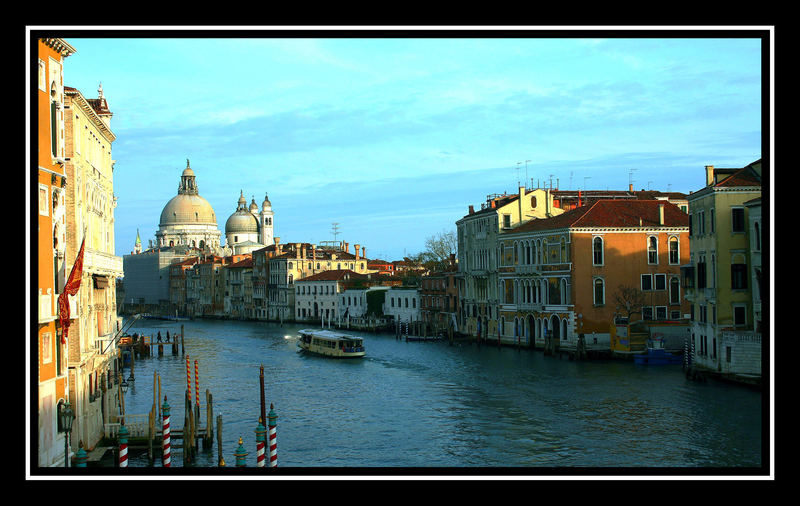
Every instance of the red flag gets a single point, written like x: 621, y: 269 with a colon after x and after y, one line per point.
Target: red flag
x: 71, y: 288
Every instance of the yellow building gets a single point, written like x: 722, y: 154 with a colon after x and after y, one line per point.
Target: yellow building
x: 52, y: 270
x: 718, y: 277
x: 296, y: 261
x: 90, y: 204
x: 480, y: 254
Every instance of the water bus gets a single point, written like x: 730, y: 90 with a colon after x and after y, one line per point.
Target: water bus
x: 331, y: 344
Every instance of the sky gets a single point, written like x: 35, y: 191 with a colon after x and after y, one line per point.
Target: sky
x: 394, y: 138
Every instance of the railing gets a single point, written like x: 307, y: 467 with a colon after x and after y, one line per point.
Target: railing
x: 741, y: 336
x: 137, y: 425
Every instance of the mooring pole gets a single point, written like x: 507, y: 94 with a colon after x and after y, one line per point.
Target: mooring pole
x: 263, y: 402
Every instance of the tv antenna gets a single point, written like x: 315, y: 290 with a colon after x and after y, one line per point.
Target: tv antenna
x: 526, y: 173
x: 518, y: 164
x: 630, y: 178
x: 335, y: 228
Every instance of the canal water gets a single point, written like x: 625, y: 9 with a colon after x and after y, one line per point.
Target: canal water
x: 429, y: 404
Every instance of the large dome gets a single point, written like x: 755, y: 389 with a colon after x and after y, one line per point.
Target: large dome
x: 242, y: 221
x: 187, y: 209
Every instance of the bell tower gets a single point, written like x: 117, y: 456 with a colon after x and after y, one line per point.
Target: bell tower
x: 267, y: 231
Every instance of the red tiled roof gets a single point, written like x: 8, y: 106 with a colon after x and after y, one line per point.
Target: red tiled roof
x: 612, y: 213
x: 742, y: 177
x: 334, y: 275
x: 247, y: 262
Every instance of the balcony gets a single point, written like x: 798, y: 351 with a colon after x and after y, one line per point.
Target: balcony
x: 46, y: 306
x: 98, y: 262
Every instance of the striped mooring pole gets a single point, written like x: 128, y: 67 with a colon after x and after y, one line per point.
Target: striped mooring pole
x: 123, y: 445
x: 166, y: 457
x: 188, y: 380
x: 273, y: 452
x: 261, y: 432
x: 197, y: 383
x: 240, y: 454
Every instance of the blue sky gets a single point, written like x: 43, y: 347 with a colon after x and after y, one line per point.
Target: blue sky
x: 393, y: 139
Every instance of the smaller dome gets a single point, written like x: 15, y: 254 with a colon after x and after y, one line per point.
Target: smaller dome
x: 241, y: 222
x: 253, y: 206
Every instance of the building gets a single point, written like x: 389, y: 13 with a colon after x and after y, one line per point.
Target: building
x: 564, y: 276
x: 479, y: 255
x: 249, y: 229
x: 439, y: 299
x: 381, y: 266
x: 177, y: 285
x: 147, y: 279
x: 90, y: 203
x: 237, y: 279
x: 295, y: 261
x: 52, y: 268
x: 188, y: 219
x: 205, y: 286
x: 354, y: 304
x: 317, y: 296
x: 402, y: 303
x: 721, y: 269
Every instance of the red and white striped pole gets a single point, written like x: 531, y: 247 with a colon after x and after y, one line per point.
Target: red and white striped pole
x: 188, y: 380
x: 165, y: 431
x: 123, y: 445
x: 197, y: 383
x: 273, y: 451
x: 260, y: 443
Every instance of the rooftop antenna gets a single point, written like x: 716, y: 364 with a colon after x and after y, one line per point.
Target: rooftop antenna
x: 570, y: 179
x: 526, y: 172
x: 648, y: 185
x: 551, y: 181
x: 630, y: 178
x: 518, y: 163
x: 584, y: 181
x: 335, y: 227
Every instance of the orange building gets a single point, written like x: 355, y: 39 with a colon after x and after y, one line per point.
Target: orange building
x: 561, y: 277
x: 52, y: 270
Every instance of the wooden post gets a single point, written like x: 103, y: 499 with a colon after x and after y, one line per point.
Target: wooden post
x: 183, y: 350
x: 187, y: 409
x: 263, y: 401
x: 159, y: 396
x: 221, y: 460
x: 209, y: 422
x: 150, y: 435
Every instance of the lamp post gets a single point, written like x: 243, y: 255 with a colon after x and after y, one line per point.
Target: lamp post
x: 66, y: 416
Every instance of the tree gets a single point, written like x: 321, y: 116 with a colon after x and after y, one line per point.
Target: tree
x: 438, y: 249
x: 630, y: 300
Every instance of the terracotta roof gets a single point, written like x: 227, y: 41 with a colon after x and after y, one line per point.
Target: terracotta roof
x: 742, y: 177
x: 334, y: 275
x: 247, y: 262
x: 612, y: 213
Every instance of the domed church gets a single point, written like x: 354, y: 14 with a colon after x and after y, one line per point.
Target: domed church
x: 249, y: 229
x: 188, y: 219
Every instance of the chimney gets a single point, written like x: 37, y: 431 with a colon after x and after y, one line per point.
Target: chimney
x: 630, y: 187
x: 709, y: 175
x: 660, y: 214
x: 471, y: 210
x: 302, y: 252
x: 277, y: 245
x: 521, y: 206
x: 358, y: 247
x: 364, y: 252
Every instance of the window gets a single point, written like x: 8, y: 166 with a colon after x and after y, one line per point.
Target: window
x: 674, y: 291
x: 44, y: 208
x: 711, y: 216
x: 647, y: 282
x: 674, y: 252
x: 701, y: 222
x: 738, y: 276
x: 597, y: 251
x: 691, y: 223
x: 599, y: 292
x: 661, y: 281
x: 661, y: 312
x: 757, y: 236
x: 739, y: 315
x: 647, y: 312
x: 737, y: 219
x: 506, y: 221
x: 675, y: 314
x: 652, y: 250
x: 701, y: 272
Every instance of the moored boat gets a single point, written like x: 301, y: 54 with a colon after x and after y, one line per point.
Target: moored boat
x: 331, y: 344
x: 655, y: 354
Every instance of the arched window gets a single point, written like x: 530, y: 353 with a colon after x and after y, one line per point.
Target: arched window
x: 564, y: 295
x: 674, y: 291
x: 599, y: 292
x: 597, y: 251
x: 652, y: 250
x: 757, y: 236
x: 674, y: 252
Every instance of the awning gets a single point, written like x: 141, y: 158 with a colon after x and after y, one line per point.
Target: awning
x: 100, y: 281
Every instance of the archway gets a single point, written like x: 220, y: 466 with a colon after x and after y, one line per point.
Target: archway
x: 316, y: 310
x: 530, y: 331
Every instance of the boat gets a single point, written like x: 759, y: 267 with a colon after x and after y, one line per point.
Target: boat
x: 331, y: 344
x: 656, y: 354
